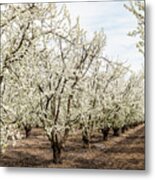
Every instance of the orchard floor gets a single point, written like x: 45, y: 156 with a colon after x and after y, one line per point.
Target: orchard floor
x: 123, y: 152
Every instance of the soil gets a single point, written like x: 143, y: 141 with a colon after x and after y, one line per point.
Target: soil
x: 124, y: 152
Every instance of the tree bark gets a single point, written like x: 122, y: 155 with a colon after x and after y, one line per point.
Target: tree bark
x: 27, y: 131
x: 1, y: 79
x: 56, y: 153
x: 85, y: 138
x: 124, y: 128
x: 66, y: 134
x: 56, y: 146
x: 116, y: 131
x: 105, y: 132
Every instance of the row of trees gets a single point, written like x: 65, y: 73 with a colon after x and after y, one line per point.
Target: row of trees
x: 54, y: 77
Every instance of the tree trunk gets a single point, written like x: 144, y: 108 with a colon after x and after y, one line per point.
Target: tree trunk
x: 56, y: 146
x: 131, y: 126
x: 116, y: 131
x: 124, y: 128
x: 105, y: 132
x: 27, y: 131
x: 1, y: 79
x: 135, y: 124
x: 66, y: 134
x: 56, y: 153
x: 85, y: 138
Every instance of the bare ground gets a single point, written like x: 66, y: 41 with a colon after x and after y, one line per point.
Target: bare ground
x: 123, y: 152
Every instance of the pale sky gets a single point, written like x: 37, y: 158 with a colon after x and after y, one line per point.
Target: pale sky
x: 116, y: 21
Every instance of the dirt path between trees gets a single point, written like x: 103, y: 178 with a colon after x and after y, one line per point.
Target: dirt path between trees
x: 123, y: 152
